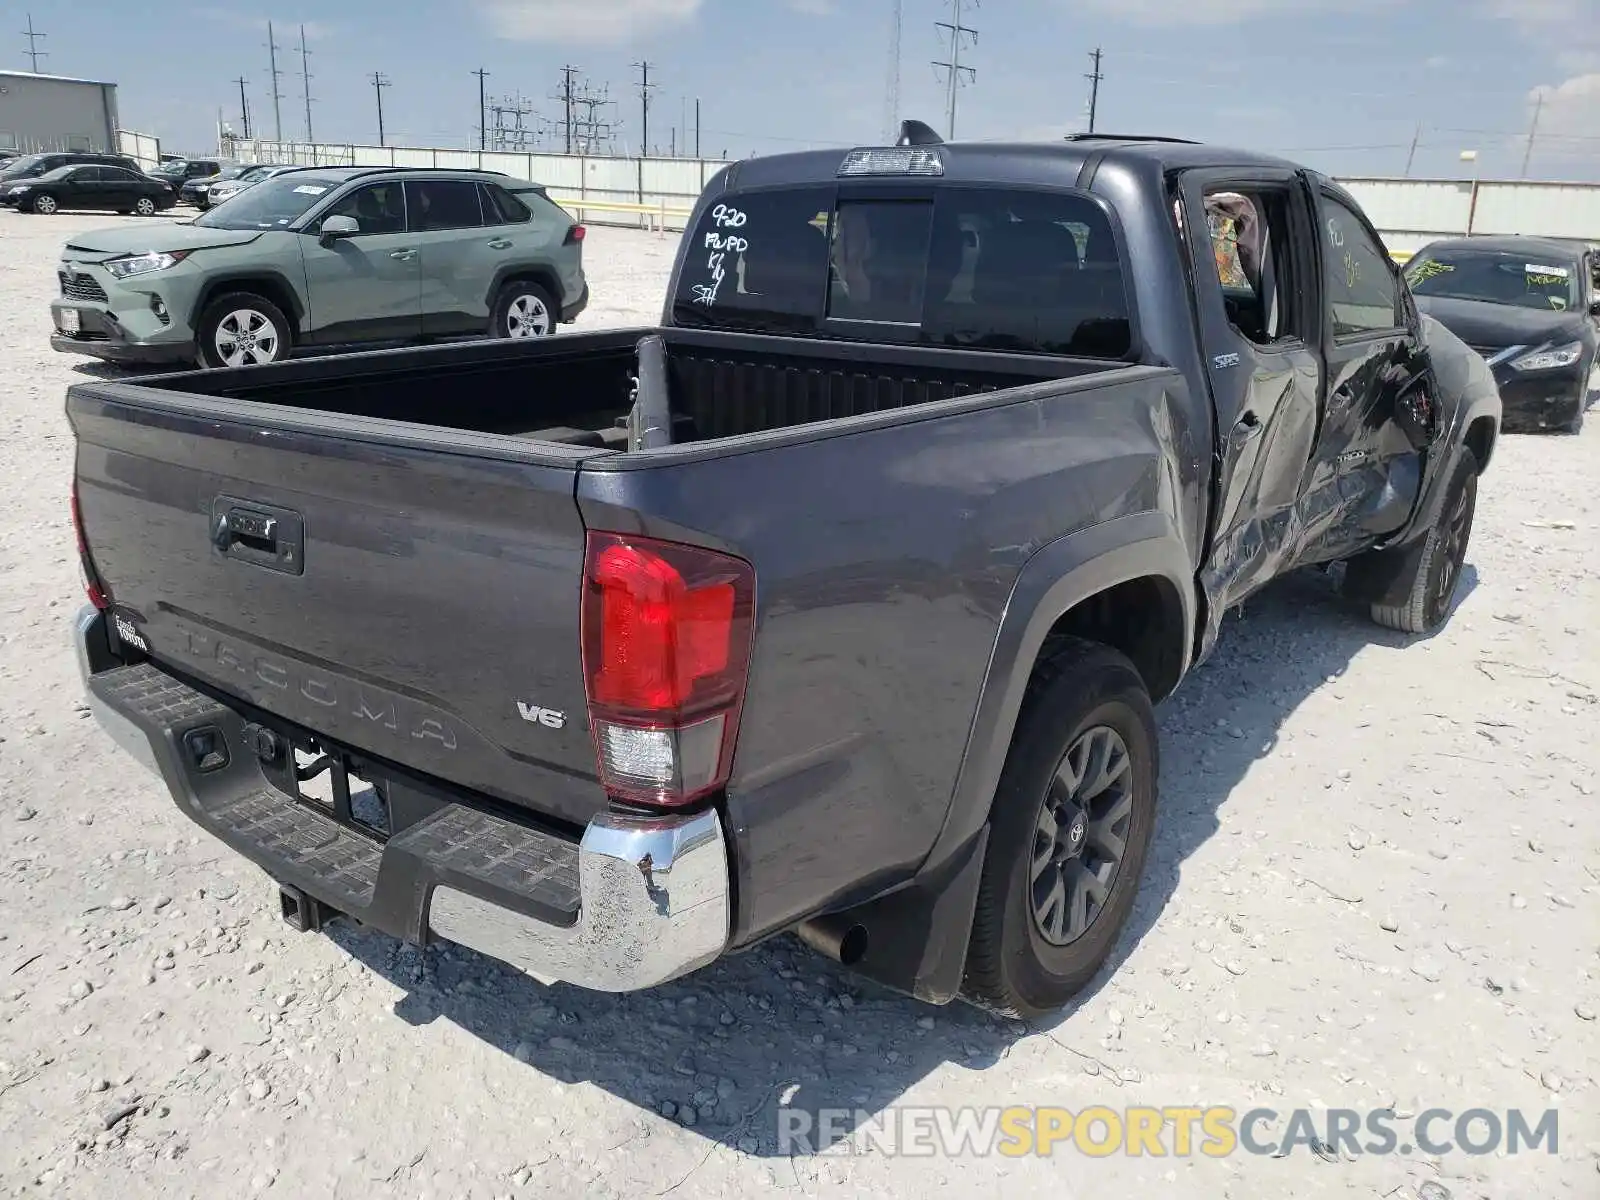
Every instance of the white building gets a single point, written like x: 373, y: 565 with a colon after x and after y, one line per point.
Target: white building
x: 53, y: 112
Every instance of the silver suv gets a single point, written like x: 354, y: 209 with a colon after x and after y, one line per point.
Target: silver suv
x: 325, y: 255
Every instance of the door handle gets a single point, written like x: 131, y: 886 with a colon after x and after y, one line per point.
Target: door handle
x: 500, y: 244
x: 403, y: 255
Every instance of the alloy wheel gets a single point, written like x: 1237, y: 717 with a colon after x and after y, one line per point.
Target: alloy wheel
x: 246, y: 337
x: 527, y: 317
x: 1081, y: 835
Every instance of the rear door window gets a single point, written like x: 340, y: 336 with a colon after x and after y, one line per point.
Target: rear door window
x: 981, y: 268
x: 442, y: 204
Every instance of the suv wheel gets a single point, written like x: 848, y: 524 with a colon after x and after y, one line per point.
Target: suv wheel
x: 1069, y: 830
x: 523, y: 309
x: 242, y: 330
x: 45, y: 205
x: 145, y: 206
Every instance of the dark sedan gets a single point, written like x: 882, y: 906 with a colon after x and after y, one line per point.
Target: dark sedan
x: 1528, y: 305
x: 88, y: 187
x: 197, y: 191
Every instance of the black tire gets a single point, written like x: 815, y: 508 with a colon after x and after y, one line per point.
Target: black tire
x: 44, y: 204
x: 229, y: 307
x: 1437, y: 572
x: 525, y: 306
x: 1014, y: 964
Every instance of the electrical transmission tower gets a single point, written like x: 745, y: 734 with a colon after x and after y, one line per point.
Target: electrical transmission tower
x: 305, y: 81
x: 33, y: 52
x: 954, y: 71
x: 512, y: 130
x: 273, y: 90
x: 592, y: 132
x: 891, y: 96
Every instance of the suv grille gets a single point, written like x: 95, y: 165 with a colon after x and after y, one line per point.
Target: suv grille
x: 81, y: 287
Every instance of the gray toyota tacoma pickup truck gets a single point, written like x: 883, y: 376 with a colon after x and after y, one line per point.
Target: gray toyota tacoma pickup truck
x: 837, y: 603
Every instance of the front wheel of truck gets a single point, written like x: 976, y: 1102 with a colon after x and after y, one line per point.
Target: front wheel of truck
x: 1069, y: 832
x: 1436, y: 573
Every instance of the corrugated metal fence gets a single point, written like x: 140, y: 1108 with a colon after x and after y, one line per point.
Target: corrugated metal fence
x: 1409, y: 212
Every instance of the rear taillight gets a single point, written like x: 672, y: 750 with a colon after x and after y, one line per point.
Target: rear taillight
x: 666, y: 653
x: 576, y: 234
x: 91, y: 578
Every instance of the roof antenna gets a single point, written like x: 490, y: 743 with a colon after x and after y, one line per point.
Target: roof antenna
x: 915, y: 133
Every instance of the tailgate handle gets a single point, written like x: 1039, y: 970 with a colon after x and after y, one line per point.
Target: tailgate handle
x: 256, y: 533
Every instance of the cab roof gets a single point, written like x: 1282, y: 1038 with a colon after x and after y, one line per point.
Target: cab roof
x: 1068, y: 162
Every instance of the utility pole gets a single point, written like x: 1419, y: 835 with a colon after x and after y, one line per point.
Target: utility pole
x: 593, y: 133
x: 697, y: 126
x: 244, y: 106
x: 272, y: 59
x: 483, y: 110
x: 1533, y: 132
x: 305, y: 81
x: 954, y: 71
x: 379, y: 82
x: 33, y: 52
x: 1094, y: 79
x: 891, y: 92
x: 645, y: 87
x: 1411, y: 155
x: 568, y: 97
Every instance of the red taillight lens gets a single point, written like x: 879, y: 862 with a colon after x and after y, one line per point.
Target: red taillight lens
x: 576, y: 234
x: 91, y: 579
x: 666, y: 653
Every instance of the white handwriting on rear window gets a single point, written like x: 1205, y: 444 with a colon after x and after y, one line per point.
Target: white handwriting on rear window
x: 720, y: 245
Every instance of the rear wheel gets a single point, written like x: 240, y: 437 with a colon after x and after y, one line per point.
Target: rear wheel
x: 523, y: 309
x: 45, y: 205
x: 1069, y: 833
x: 145, y: 206
x: 242, y: 330
x: 1438, y: 569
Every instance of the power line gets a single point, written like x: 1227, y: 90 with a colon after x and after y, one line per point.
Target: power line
x: 379, y: 82
x: 645, y: 88
x: 277, y: 96
x: 305, y: 81
x: 891, y: 100
x: 954, y: 71
x: 33, y: 52
x: 483, y: 109
x: 244, y: 106
x: 1094, y: 87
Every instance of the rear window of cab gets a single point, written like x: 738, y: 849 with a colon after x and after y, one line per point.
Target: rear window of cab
x: 976, y: 268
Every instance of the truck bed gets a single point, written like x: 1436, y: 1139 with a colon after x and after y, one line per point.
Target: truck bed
x: 576, y: 388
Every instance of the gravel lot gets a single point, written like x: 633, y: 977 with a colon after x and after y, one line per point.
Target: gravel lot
x: 1377, y: 883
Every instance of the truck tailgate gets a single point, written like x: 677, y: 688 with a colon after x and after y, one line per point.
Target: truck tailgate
x: 410, y: 592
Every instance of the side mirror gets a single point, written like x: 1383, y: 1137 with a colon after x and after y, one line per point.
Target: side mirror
x: 1594, y: 308
x: 336, y: 227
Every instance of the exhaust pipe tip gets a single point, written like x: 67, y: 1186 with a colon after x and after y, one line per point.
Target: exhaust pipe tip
x: 842, y: 940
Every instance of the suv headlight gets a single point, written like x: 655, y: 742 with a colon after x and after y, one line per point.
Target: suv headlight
x: 144, y: 264
x: 1549, y: 358
x: 19, y: 189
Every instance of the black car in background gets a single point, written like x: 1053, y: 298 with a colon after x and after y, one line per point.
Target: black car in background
x: 1529, y: 306
x: 113, y: 189
x: 31, y: 166
x: 176, y: 172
